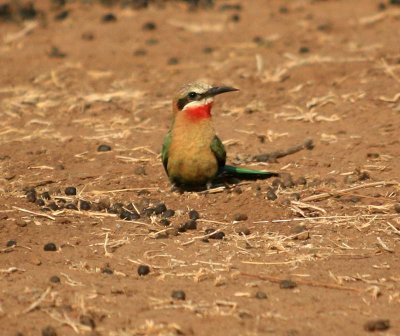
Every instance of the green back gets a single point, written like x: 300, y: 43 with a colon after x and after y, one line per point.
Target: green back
x: 165, y: 149
x: 219, y: 150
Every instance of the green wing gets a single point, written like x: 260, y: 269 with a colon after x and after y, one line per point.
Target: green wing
x: 165, y: 150
x: 219, y: 150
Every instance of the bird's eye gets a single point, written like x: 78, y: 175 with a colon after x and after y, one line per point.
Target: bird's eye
x: 192, y: 95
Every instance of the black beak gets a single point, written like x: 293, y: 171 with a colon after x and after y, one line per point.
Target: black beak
x: 216, y: 90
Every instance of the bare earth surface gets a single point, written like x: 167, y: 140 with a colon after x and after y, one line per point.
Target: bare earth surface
x: 298, y: 265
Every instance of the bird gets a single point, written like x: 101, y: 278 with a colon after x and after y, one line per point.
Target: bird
x: 192, y: 154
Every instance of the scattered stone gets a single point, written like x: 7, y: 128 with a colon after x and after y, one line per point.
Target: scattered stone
x: 261, y: 295
x: 397, y: 207
x: 178, y: 295
x: 50, y: 247
x: 49, y: 331
x: 11, y: 243
x: 287, y: 284
x: 55, y: 279
x: 165, y: 222
x: 208, y: 50
x: 70, y: 191
x: 71, y: 206
x: 53, y: 206
x: 31, y: 196
x: 55, y: 52
x: 271, y: 195
x: 217, y: 235
x: 149, y: 26
x: 173, y: 61
x: 160, y: 208
x: 377, y: 325
x: 276, y: 183
x: 182, y: 228
x: 84, y: 205
x: 304, y: 50
x: 239, y: 217
x: 104, y: 148
x: 168, y: 213
x: 193, y: 214
x: 143, y: 270
x: 109, y: 17
x: 243, y: 231
x: 62, y: 15
x: 87, y: 321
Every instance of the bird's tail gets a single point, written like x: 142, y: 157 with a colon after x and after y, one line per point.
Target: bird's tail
x: 248, y: 173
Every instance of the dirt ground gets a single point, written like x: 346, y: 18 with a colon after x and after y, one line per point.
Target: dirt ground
x: 321, y: 259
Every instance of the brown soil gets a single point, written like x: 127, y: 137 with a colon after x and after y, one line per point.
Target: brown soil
x: 325, y: 70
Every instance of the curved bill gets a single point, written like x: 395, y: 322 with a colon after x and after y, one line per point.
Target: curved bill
x: 216, y: 90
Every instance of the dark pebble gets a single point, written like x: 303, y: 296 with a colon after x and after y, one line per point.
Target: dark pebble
x: 45, y: 195
x: 104, y: 148
x: 5, y: 12
x: 116, y: 208
x: 372, y: 155
x: 178, y: 295
x: 217, y: 235
x: 283, y: 10
x: 149, y: 26
x: 193, y: 214
x: 165, y: 222
x: 49, y: 331
x: 190, y: 225
x: 287, y: 181
x: 62, y: 15
x: 143, y: 270
x: 55, y: 279
x: 160, y: 208
x: 50, y: 247
x: 243, y: 231
x: 70, y: 191
x: 287, y: 284
x: 40, y: 202
x: 234, y: 18
x: 301, y: 181
x: 109, y: 17
x: 84, y: 205
x: 140, y: 52
x: 261, y: 295
x: 148, y: 212
x: 31, y: 196
x: 71, y: 206
x: 107, y: 270
x: 87, y: 321
x: 304, y: 50
x: 128, y: 215
x: 277, y: 183
x: 173, y: 61
x: 397, y: 207
x: 28, y: 11
x: 87, y: 36
x: 53, y: 206
x: 182, y: 228
x: 377, y: 325
x: 168, y: 213
x: 208, y: 50
x: 271, y: 195
x: 11, y: 242
x: 298, y: 229
x: 381, y: 6
x: 55, y: 52
x: 240, y: 217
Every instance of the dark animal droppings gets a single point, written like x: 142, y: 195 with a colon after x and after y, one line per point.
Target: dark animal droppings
x: 173, y: 61
x: 40, y: 202
x: 31, y: 196
x: 53, y: 206
x: 71, y: 206
x: 287, y: 284
x: 107, y: 270
x: 377, y: 325
x: 397, y: 207
x: 217, y: 235
x: 50, y: 247
x: 143, y: 270
x: 271, y: 195
x: 49, y: 331
x: 240, y: 217
x: 165, y: 222
x: 11, y: 243
x: 55, y: 279
x: 169, y: 213
x: 87, y: 321
x: 261, y: 295
x: 70, y: 191
x: 61, y: 16
x: 84, y: 205
x: 149, y: 26
x: 104, y: 148
x: 110, y: 17
x: 178, y: 295
x: 160, y: 208
x: 55, y: 52
x: 191, y: 225
x: 45, y: 195
x: 193, y: 214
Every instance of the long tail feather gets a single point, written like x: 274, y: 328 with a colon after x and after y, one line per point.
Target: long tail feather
x: 246, y: 172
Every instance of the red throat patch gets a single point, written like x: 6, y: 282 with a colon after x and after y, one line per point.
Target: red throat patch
x: 197, y: 113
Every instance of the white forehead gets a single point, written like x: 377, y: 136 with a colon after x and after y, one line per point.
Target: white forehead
x: 198, y: 87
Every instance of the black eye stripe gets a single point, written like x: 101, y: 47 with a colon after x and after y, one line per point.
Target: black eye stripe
x: 191, y: 96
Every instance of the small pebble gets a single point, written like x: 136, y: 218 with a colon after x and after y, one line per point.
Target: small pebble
x: 377, y: 325
x: 182, y: 228
x: 149, y: 26
x: 148, y: 212
x: 304, y: 50
x: 107, y: 270
x: 165, y: 222
x: 160, y: 208
x: 71, y: 206
x: 168, y: 213
x: 287, y: 284
x: 128, y: 215
x: 283, y: 10
x: 49, y: 331
x: 109, y: 17
x: 271, y: 195
x: 397, y: 207
x: 178, y: 295
x: 372, y: 155
x: 50, y: 247
x: 84, y: 205
x: 208, y: 50
x: 70, y: 191
x: 143, y: 270
x: 234, y: 18
x: 116, y: 208
x: 104, y: 148
x: 173, y: 61
x: 21, y: 223
x: 45, y: 195
x: 53, y: 206
x: 11, y: 243
x: 31, y: 196
x: 190, y: 225
x: 87, y: 321
x: 28, y: 11
x: 287, y: 181
x: 55, y: 279
x: 40, y: 202
x: 277, y: 183
x: 193, y: 214
x: 243, y: 231
x: 301, y: 181
x: 240, y: 217
x: 62, y: 15
x: 261, y: 295
x: 216, y: 235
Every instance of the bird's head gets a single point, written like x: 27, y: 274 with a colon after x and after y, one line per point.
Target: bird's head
x: 195, y: 99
